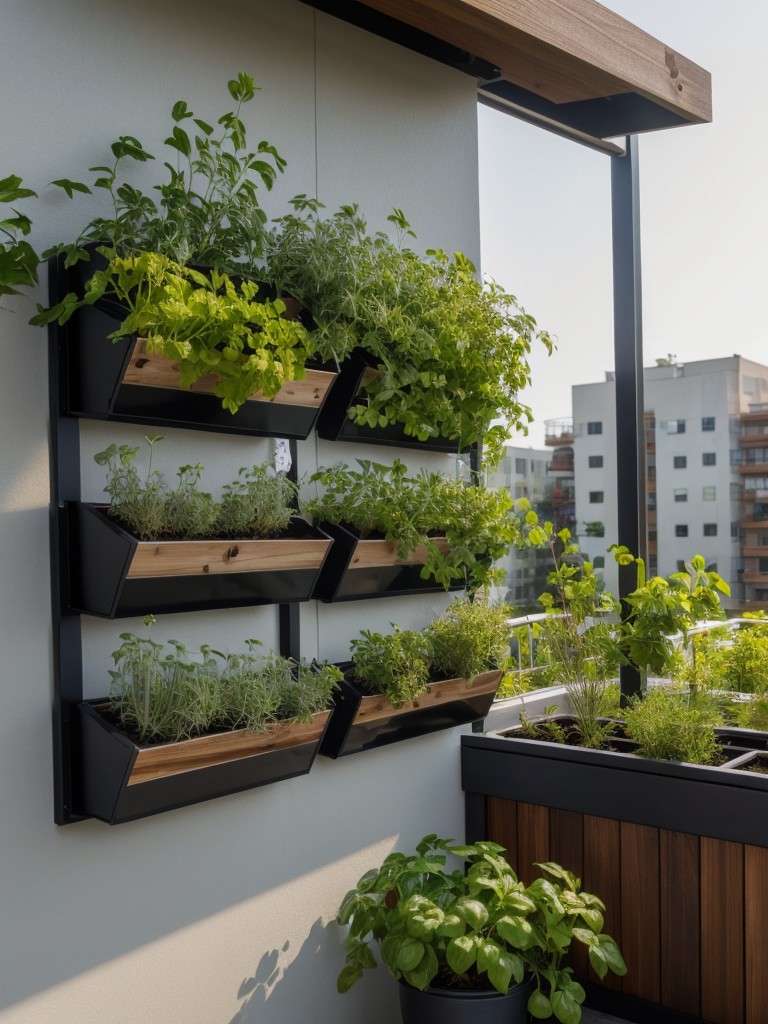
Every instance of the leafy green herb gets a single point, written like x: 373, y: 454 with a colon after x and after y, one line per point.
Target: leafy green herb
x: 18, y: 260
x: 395, y: 665
x: 477, y: 929
x: 674, y: 726
x: 471, y: 637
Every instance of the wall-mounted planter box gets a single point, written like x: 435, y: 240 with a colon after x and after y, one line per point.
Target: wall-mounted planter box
x: 113, y: 574
x: 123, y: 781
x: 121, y: 381
x: 678, y: 852
x: 357, y: 568
x: 335, y: 425
x: 364, y: 722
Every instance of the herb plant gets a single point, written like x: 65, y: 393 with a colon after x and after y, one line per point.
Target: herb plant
x: 471, y: 637
x: 162, y: 693
x: 450, y: 353
x: 674, y: 726
x: 395, y: 665
x: 18, y: 260
x: 258, y: 504
x: 479, y: 525
x: 478, y: 928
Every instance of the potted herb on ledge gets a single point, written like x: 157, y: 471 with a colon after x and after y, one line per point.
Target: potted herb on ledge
x: 178, y: 729
x: 160, y: 315
x: 472, y: 944
x: 408, y: 684
x: 178, y: 549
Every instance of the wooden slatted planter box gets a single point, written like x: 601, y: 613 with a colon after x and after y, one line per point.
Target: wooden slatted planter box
x: 358, y: 568
x: 115, y: 575
x: 121, y: 381
x: 335, y: 425
x: 678, y: 852
x: 365, y: 722
x: 123, y: 781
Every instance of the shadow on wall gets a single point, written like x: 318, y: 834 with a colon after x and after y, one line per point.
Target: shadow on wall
x: 277, y: 994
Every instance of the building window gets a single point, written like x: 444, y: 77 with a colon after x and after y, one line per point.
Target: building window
x: 737, y: 456
x: 595, y: 427
x: 735, y: 492
x: 681, y: 530
x: 595, y: 497
x: 681, y: 494
x: 652, y: 534
x: 710, y: 529
x: 598, y: 562
x: 653, y: 566
x: 680, y: 461
x: 762, y: 565
x: 708, y: 459
x: 595, y: 461
x: 520, y: 467
x: 735, y: 530
x: 675, y: 426
x: 707, y: 422
x: 708, y: 493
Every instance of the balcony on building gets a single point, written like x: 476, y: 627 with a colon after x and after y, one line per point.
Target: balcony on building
x: 562, y: 461
x: 558, y: 433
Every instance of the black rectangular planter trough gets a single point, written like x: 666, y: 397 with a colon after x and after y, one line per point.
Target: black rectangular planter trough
x: 113, y: 574
x: 334, y: 423
x: 121, y: 381
x: 364, y: 722
x: 123, y: 781
x: 358, y: 568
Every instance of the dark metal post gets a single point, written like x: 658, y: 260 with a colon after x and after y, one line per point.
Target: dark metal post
x: 628, y: 355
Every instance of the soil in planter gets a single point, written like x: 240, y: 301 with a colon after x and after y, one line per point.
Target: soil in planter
x: 759, y: 766
x: 112, y: 719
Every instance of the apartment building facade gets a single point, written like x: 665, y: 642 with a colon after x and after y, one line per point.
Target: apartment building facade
x: 707, y: 471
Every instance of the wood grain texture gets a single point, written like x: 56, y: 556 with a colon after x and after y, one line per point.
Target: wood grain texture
x: 187, y: 755
x: 566, y: 847
x: 153, y: 370
x: 376, y: 707
x: 532, y: 839
x: 679, y: 872
x: 602, y: 876
x: 722, y: 931
x: 370, y: 554
x: 501, y: 819
x: 756, y: 934
x: 640, y: 916
x: 193, y: 557
x: 563, y: 50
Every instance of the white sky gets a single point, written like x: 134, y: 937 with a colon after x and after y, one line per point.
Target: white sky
x: 545, y: 214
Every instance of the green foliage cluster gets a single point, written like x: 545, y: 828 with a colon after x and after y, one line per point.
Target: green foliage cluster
x: 18, y: 260
x: 259, y: 503
x: 479, y: 525
x: 476, y: 928
x: 161, y: 693
x: 469, y: 638
x: 451, y: 353
x: 674, y: 726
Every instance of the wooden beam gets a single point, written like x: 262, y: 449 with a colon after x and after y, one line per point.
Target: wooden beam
x: 565, y: 51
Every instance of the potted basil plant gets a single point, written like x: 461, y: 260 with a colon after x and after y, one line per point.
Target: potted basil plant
x: 474, y: 946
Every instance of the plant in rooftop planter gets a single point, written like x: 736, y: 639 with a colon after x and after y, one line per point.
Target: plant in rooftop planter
x: 395, y: 533
x: 471, y: 944
x: 406, y: 684
x: 18, y: 260
x: 168, y: 278
x: 176, y: 548
x: 177, y: 729
x: 439, y: 354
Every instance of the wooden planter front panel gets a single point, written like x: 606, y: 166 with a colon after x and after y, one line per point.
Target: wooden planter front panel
x: 690, y: 913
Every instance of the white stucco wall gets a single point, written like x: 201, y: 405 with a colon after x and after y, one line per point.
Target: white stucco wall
x: 217, y: 913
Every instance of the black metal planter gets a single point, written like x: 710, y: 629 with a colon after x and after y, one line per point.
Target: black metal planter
x: 113, y: 574
x: 122, y: 781
x: 120, y: 381
x: 438, y: 1006
x: 334, y: 423
x: 366, y: 722
x: 357, y: 568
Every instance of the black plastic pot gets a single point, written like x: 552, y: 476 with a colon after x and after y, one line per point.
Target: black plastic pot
x: 440, y: 1006
x: 113, y: 574
x: 356, y: 569
x: 334, y: 423
x: 122, y: 781
x: 102, y: 379
x: 363, y: 723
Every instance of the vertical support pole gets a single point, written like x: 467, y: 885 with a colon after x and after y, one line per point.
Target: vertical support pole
x: 67, y: 650
x: 289, y: 614
x: 628, y: 355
